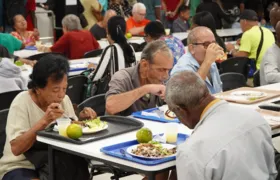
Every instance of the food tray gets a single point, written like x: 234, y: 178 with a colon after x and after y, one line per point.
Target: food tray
x: 228, y: 97
x: 30, y: 48
x: 138, y: 114
x: 116, y: 125
x: 115, y: 151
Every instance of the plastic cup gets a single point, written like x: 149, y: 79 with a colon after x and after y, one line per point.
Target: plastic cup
x: 167, y: 31
x: 171, y: 133
x: 38, y: 43
x: 62, y: 124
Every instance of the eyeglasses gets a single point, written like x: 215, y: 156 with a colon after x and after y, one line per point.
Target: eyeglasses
x: 205, y: 44
x: 141, y: 14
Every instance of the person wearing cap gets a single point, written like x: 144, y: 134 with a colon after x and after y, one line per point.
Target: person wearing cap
x: 201, y: 57
x: 155, y: 30
x: 251, y: 38
x: 270, y: 66
x: 137, y: 22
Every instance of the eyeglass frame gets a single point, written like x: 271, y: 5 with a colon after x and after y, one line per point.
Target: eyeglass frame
x: 204, y: 44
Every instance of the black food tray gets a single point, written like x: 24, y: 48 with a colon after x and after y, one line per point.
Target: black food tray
x: 116, y: 125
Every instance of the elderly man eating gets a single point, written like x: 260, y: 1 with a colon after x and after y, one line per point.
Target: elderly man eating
x: 140, y: 87
x: 228, y: 142
x: 203, y: 52
x: 136, y: 24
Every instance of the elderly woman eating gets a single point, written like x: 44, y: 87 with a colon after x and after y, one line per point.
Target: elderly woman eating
x: 32, y: 111
x: 75, y: 42
x: 28, y: 38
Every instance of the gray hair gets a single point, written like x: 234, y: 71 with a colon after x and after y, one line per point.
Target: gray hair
x: 71, y: 22
x: 154, y: 47
x: 185, y: 89
x: 138, y: 6
x: 195, y: 32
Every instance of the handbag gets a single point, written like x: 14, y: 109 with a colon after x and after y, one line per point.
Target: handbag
x: 253, y: 62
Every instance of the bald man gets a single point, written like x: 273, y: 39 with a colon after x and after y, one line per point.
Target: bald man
x: 274, y: 16
x: 270, y: 66
x: 98, y: 30
x: 201, y: 57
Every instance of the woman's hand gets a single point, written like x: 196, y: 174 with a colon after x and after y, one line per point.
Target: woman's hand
x: 36, y: 34
x: 87, y: 113
x: 52, y: 113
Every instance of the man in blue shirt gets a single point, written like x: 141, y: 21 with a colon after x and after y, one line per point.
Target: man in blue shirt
x: 203, y: 52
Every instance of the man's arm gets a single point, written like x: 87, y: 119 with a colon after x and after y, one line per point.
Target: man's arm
x: 23, y: 142
x: 136, y: 30
x: 120, y: 102
x: 211, y: 55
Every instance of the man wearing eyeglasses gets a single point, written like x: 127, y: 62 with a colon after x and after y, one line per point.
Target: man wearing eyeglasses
x: 203, y: 52
x: 136, y: 24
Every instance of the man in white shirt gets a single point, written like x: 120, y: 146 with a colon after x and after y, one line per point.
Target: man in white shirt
x: 228, y: 142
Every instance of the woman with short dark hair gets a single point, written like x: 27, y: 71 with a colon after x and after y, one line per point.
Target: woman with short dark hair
x: 154, y: 30
x: 32, y: 111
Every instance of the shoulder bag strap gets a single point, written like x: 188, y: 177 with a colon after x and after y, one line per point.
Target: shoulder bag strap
x: 260, y: 46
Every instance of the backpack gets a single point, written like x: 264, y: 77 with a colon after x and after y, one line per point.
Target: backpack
x: 14, y: 7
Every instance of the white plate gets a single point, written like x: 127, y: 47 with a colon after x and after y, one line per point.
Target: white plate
x: 86, y: 130
x: 168, y: 146
x: 249, y: 94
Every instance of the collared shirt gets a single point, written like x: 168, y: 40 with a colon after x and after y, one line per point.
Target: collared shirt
x: 127, y: 80
x: 187, y: 62
x: 229, y: 143
x: 270, y: 66
x: 179, y: 25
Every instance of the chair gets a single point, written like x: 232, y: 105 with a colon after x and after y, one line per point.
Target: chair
x: 185, y: 41
x: 236, y: 64
x: 3, y: 122
x: 4, y: 52
x: 7, y: 99
x: 232, y: 81
x: 93, y: 53
x: 97, y: 103
x: 256, y: 80
x: 76, y: 88
x: 39, y: 56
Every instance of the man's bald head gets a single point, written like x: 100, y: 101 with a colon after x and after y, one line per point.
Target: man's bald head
x: 109, y: 13
x: 198, y: 32
x: 274, y: 16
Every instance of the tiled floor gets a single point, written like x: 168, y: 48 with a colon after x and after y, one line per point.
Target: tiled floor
x: 108, y: 177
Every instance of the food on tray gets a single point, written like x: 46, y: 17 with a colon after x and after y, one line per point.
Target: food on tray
x: 169, y: 115
x: 144, y: 135
x: 94, y: 124
x: 250, y: 95
x: 74, y: 131
x: 153, y: 150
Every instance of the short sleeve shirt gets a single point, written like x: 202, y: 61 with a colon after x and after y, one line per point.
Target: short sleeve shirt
x: 30, y: 37
x: 130, y: 23
x: 151, y: 5
x: 23, y: 115
x: 127, y: 80
x: 10, y: 42
x: 250, y: 42
x: 75, y: 44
